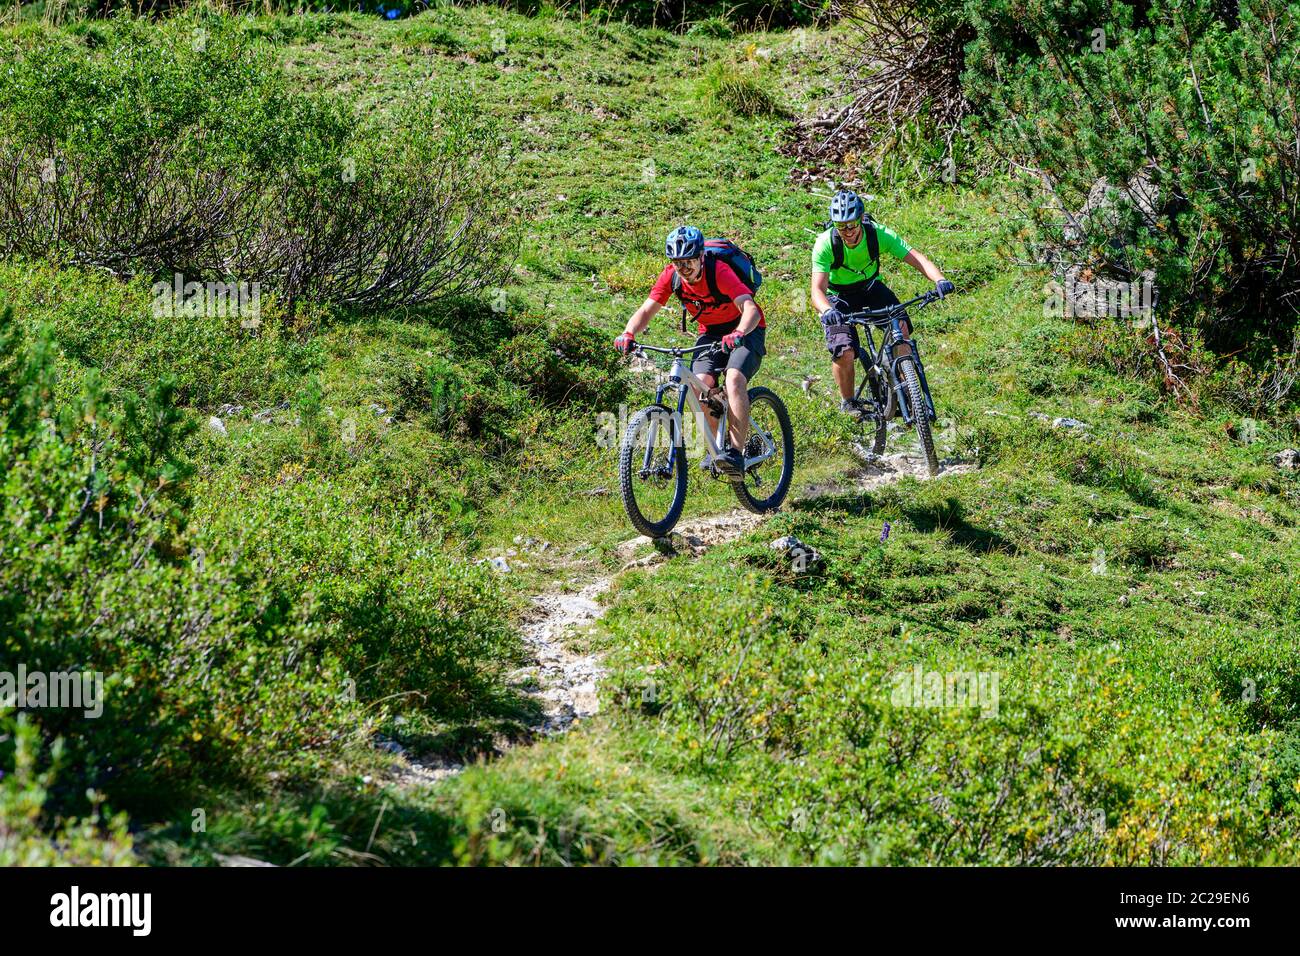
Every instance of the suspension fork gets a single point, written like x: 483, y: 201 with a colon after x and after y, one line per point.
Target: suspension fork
x: 673, y: 383
x: 896, y: 381
x: 898, y: 338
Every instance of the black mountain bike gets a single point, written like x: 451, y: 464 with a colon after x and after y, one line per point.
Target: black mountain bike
x: 895, y: 378
x: 652, y: 468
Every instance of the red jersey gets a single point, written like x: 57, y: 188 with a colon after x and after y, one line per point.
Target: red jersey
x: 714, y: 319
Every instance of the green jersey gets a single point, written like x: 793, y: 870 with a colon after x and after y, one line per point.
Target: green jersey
x: 858, y: 266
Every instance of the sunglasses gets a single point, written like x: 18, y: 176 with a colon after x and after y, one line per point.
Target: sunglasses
x: 686, y: 264
x: 847, y: 226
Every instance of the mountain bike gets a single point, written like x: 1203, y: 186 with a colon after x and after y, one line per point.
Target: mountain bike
x: 652, y: 465
x: 895, y: 380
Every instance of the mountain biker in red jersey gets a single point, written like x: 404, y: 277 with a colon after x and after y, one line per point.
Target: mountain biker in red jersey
x: 731, y: 318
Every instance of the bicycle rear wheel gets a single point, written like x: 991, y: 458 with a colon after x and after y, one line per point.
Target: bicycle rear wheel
x: 882, y: 397
x: 765, y: 485
x: 651, y: 479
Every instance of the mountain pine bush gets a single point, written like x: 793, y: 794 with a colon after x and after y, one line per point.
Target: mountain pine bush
x: 1176, y: 132
x: 1149, y: 139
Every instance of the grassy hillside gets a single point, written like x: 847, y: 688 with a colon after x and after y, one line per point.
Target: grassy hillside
x: 1129, y: 588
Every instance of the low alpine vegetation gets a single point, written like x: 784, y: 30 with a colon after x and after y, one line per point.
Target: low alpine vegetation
x: 301, y: 547
x: 180, y: 149
x: 737, y: 89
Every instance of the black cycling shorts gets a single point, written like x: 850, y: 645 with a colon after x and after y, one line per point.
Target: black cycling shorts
x: 855, y: 298
x: 745, y: 358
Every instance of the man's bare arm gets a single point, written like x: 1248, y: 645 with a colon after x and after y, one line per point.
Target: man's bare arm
x: 921, y: 264
x: 819, y: 289
x: 642, y: 316
x: 749, y: 314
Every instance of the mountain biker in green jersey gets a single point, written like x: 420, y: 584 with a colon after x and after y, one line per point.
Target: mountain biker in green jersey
x: 846, y: 279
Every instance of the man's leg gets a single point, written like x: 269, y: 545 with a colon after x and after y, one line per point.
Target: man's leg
x: 738, y: 408
x: 844, y: 349
x: 843, y: 344
x: 842, y: 366
x: 742, y: 365
x: 710, y: 380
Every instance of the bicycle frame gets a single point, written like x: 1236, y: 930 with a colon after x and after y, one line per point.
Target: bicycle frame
x: 687, y: 384
x: 888, y: 320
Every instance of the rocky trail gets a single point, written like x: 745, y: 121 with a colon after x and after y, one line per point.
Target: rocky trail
x: 564, y: 681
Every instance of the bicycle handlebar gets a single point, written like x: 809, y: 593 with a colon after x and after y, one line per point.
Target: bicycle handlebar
x: 639, y: 348
x: 866, y: 316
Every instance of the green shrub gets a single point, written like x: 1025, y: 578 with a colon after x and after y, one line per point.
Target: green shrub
x: 28, y: 835
x: 265, y: 632
x: 755, y: 14
x: 565, y: 363
x: 793, y: 708
x: 1124, y: 118
x: 209, y: 670
x: 408, y: 625
x: 1146, y: 545
x: 154, y: 153
x: 98, y: 322
x: 1136, y: 125
x: 1112, y: 466
x: 728, y: 88
x: 1285, y: 765
x: 435, y: 387
x: 712, y: 27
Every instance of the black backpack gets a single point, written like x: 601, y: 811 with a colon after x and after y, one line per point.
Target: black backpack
x: 742, y: 264
x: 873, y: 245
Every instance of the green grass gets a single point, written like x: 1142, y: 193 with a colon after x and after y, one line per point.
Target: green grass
x: 1133, y: 586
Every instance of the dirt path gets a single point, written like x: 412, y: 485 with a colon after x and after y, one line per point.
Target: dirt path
x: 876, y: 471
x: 563, y: 681
x: 567, y: 680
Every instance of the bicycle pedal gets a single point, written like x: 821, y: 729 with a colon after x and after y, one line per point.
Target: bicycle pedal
x: 726, y: 473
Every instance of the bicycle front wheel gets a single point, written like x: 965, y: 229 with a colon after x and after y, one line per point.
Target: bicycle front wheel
x: 767, y: 483
x: 920, y: 413
x: 652, y: 471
